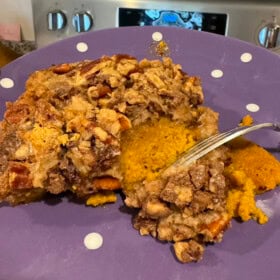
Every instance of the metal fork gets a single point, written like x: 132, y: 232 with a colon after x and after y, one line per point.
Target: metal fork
x: 215, y: 141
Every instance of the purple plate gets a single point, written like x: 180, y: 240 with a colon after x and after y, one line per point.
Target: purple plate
x: 45, y: 240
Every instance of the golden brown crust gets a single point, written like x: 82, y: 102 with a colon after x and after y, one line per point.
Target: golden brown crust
x: 68, y: 122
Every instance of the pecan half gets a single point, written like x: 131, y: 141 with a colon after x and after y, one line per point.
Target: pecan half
x: 62, y: 68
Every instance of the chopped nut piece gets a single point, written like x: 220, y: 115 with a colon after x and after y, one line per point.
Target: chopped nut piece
x: 124, y: 122
x: 22, y: 152
x: 154, y: 208
x: 62, y: 68
x: 188, y: 251
x: 100, y: 133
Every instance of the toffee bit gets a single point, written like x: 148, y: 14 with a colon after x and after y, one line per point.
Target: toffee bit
x: 246, y: 121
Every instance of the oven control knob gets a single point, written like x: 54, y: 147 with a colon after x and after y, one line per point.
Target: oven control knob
x: 56, y: 20
x: 82, y: 21
x: 269, y: 35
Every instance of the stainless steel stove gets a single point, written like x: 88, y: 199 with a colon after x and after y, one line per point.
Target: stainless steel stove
x: 251, y: 21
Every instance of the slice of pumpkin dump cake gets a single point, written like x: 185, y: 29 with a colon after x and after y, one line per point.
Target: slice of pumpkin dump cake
x: 94, y: 127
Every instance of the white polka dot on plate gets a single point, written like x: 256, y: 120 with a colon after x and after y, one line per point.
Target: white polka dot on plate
x: 93, y: 241
x: 157, y: 36
x: 7, y: 83
x: 217, y: 73
x: 82, y: 47
x: 252, y: 107
x: 246, y: 57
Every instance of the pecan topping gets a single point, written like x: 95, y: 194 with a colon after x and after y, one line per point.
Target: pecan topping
x: 17, y: 113
x: 62, y: 68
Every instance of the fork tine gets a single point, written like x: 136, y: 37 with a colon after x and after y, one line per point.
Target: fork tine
x: 221, y: 139
x: 210, y: 141
x: 215, y: 141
